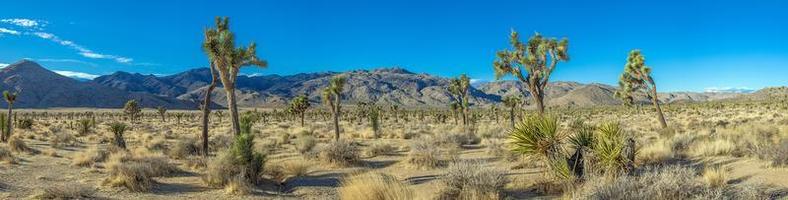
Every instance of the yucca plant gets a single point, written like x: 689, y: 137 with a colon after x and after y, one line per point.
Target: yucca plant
x: 4, y: 134
x: 162, y: 112
x: 118, y: 128
x: 615, y: 153
x: 84, y: 126
x: 243, y: 150
x: 582, y: 141
x: 538, y: 136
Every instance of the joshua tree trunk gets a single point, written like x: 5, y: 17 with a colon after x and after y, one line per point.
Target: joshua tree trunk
x: 302, y: 119
x: 464, y: 117
x: 206, y: 112
x: 336, y: 116
x: 233, y: 107
x: 655, y: 101
x: 539, y: 103
x: 9, y: 124
x: 511, y: 116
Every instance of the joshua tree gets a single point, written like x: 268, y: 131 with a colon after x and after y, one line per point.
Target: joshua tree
x: 637, y: 78
x: 459, y: 89
x: 118, y: 128
x: 3, y: 128
x: 132, y: 109
x: 10, y: 98
x: 512, y: 102
x: 178, y: 116
x: 299, y: 105
x: 332, y: 96
x: 537, y: 59
x: 228, y: 59
x: 162, y: 112
x: 206, y: 106
x: 455, y: 107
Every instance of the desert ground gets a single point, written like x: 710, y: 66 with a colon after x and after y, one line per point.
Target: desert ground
x: 713, y: 150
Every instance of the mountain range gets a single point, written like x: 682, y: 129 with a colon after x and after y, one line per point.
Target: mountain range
x: 42, y: 88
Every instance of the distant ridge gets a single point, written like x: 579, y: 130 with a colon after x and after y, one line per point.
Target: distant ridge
x: 41, y: 88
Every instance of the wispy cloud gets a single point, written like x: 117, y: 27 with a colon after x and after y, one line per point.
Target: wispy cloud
x: 70, y: 61
x: 729, y: 89
x: 8, y: 31
x: 79, y: 75
x: 29, y: 23
x: 36, y: 28
x: 3, y: 65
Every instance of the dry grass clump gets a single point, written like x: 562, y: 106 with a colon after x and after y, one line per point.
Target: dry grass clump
x: 777, y: 154
x: 715, y: 177
x: 62, y: 139
x: 424, y: 154
x: 670, y: 182
x: 288, y: 169
x: 238, y: 185
x: 18, y: 145
x: 183, y: 148
x: 470, y: 180
x: 305, y: 143
x: 657, y: 152
x: 712, y: 147
x: 90, y: 157
x: 6, y: 155
x: 155, y: 143
x: 342, y: 153
x: 380, y: 148
x: 374, y: 186
x: 136, y: 172
x: 66, y: 191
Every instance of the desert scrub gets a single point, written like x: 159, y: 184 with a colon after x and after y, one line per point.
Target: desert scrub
x: 85, y: 126
x: 183, y: 148
x: 715, y: 177
x: 65, y: 191
x: 25, y: 124
x: 470, y: 180
x: 117, y: 129
x: 380, y: 148
x: 341, y: 153
x: 90, y: 157
x: 6, y: 155
x: 667, y: 182
x: 305, y: 143
x: 16, y: 144
x: 712, y: 147
x: 136, y: 172
x: 424, y: 154
x: 62, y: 139
x: 377, y: 186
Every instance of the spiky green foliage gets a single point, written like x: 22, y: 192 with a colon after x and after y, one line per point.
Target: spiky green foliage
x: 117, y: 129
x: 219, y: 45
x: 532, y: 62
x: 162, y: 112
x: 582, y: 141
x: 84, y: 126
x: 374, y: 119
x: 132, y: 109
x: 242, y: 150
x: 458, y: 87
x: 636, y: 79
x: 610, y: 148
x: 537, y: 136
x: 298, y: 106
x: 332, y: 97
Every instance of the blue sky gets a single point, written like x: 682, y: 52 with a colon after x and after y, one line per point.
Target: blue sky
x: 691, y: 45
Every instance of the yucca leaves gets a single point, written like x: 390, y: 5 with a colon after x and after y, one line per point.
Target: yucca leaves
x: 537, y: 136
x: 610, y: 146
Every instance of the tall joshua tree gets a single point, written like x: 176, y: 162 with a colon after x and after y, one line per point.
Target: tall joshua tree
x: 228, y: 59
x: 459, y: 90
x: 162, y: 112
x: 532, y: 62
x: 637, y: 78
x: 332, y: 96
x: 208, y: 45
x: 512, y: 102
x: 299, y: 105
x: 132, y: 109
x: 10, y: 98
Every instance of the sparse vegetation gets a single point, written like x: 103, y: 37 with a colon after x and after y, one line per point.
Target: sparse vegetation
x: 374, y: 186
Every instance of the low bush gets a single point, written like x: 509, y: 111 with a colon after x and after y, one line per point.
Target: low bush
x: 342, y: 153
x: 374, y: 186
x: 470, y: 180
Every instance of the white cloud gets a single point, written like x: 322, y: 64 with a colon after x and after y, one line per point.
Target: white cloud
x: 728, y: 90
x: 73, y: 74
x: 35, y: 28
x: 71, y: 61
x: 8, y: 31
x: 29, y: 23
x: 3, y: 65
x: 85, y: 52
